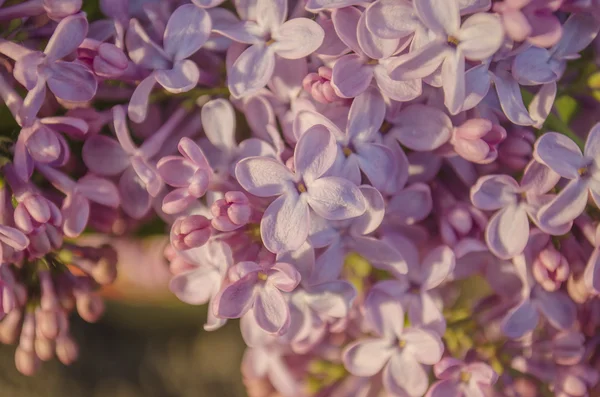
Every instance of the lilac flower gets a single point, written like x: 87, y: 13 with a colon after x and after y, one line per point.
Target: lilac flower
x: 259, y: 287
x: 557, y: 307
x: 269, y: 36
x: 76, y: 206
x: 507, y: 230
x: 201, y: 283
x: 190, y: 232
x: 400, y: 352
x: 477, y: 140
x: 461, y: 380
x: 478, y: 38
x: 563, y: 156
x: 69, y: 81
x: 414, y: 290
x: 139, y: 179
x: 550, y: 269
x: 190, y: 174
x: 359, y: 148
x: 286, y: 222
x: 353, y: 73
x: 186, y: 31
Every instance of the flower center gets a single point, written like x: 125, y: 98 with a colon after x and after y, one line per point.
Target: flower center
x: 301, y: 187
x: 465, y: 376
x: 583, y: 171
x: 253, y: 231
x: 401, y: 343
x: 372, y: 62
x: 262, y: 276
x: 385, y: 127
x: 453, y: 41
x: 347, y: 152
x: 270, y: 41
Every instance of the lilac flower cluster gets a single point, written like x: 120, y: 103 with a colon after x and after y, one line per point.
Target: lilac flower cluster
x: 373, y: 188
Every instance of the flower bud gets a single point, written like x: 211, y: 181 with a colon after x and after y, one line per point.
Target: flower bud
x: 517, y: 149
x: 550, y: 269
x: 59, y: 9
x: 105, y: 59
x: 190, y: 232
x: 319, y: 86
x: 232, y: 212
x: 477, y: 140
x: 90, y: 306
x: 66, y: 349
x: 44, y: 348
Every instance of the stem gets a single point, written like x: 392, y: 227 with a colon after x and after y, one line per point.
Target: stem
x: 192, y: 94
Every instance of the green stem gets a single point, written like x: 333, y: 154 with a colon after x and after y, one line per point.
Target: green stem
x: 192, y: 94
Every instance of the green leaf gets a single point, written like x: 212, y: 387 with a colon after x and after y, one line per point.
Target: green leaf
x: 566, y: 107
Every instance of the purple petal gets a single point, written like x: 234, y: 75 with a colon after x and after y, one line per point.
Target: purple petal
x: 67, y: 36
x: 592, y: 144
x: 147, y: 174
x: 373, y: 46
x: 520, y: 320
x: 270, y: 14
x: 32, y: 103
x: 398, y: 90
x: 315, y: 153
x: 542, y: 103
x: 437, y: 266
x: 345, y: 20
x: 480, y: 35
x: 591, y: 275
x: 422, y: 128
x: 285, y: 224
x: 218, y: 121
x: 76, y: 212
x: 366, y: 115
x: 453, y: 77
x: 373, y: 216
x: 284, y: 277
x: 405, y: 376
x: 72, y: 82
x: 381, y: 254
x: 507, y: 231
x: 425, y: 312
x: 104, y: 156
x: 367, y: 357
x: 510, y: 97
x: 297, y: 38
x: 557, y: 307
x: 252, y: 70
x: 578, y: 32
x: 477, y: 85
x: 335, y: 198
x: 532, y: 67
x: 378, y: 163
x: 121, y: 130
x: 419, y: 63
x: 329, y: 264
x: 187, y: 30
x: 195, y: 287
x: 425, y: 346
x: 263, y: 177
x: 99, y: 190
x: 559, y: 153
x: 135, y: 200
x: 493, y: 192
x: 410, y: 205
x: 175, y: 171
x: 271, y: 310
x: 566, y: 206
x: 351, y: 76
x: 142, y: 50
x: 236, y: 298
x: 13, y: 237
x: 138, y: 104
x: 182, y: 78
x: 391, y: 19
x: 177, y: 201
x: 446, y: 388
x: 441, y: 16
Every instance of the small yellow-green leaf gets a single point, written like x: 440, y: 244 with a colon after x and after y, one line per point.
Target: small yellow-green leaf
x: 566, y: 106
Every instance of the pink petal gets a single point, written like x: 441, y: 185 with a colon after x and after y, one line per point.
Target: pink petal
x: 335, y: 198
x: 138, y: 104
x: 315, y: 153
x: 367, y: 357
x: 297, y: 38
x: 104, y: 156
x: 263, y: 177
x: 374, y: 46
x: 195, y: 287
x: 391, y: 19
x: 218, y: 121
x: 284, y: 277
x: 236, y: 298
x: 285, y: 224
x: 135, y: 200
x: 99, y: 190
x: 271, y: 310
x: 76, y: 210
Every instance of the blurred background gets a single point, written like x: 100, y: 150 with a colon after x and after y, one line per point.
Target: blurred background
x: 147, y: 344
